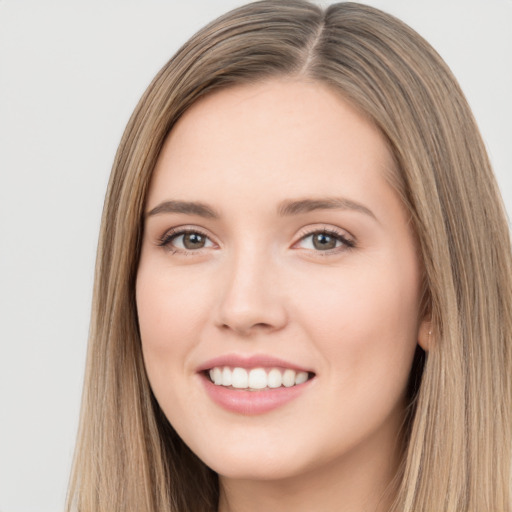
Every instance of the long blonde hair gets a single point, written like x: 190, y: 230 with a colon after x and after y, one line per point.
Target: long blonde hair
x: 457, y: 448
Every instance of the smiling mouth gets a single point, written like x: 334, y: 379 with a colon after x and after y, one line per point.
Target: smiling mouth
x: 256, y: 379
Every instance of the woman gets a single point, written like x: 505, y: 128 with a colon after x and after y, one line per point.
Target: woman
x: 303, y: 290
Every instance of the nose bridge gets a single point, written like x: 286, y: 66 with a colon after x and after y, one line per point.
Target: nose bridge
x: 251, y: 298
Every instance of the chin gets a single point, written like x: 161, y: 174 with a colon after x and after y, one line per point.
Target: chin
x: 258, y: 461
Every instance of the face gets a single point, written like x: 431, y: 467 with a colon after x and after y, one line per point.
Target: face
x: 278, y: 263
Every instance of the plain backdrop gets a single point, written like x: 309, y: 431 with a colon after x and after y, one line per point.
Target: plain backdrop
x: 70, y: 74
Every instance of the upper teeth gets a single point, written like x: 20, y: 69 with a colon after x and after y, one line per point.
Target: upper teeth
x: 257, y: 378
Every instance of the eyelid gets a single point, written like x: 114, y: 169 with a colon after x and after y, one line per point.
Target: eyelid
x: 347, y: 240
x: 165, y: 240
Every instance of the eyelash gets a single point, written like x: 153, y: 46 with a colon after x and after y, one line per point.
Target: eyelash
x: 169, y: 236
x: 166, y: 240
x: 346, y: 243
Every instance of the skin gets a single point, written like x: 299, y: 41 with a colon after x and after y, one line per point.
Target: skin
x: 260, y: 286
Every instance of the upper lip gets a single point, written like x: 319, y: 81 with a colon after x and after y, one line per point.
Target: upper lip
x: 248, y: 362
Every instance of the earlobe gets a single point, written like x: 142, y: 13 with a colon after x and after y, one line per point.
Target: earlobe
x: 425, y: 339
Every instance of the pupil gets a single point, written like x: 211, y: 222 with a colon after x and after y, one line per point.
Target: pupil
x: 324, y: 242
x: 193, y: 241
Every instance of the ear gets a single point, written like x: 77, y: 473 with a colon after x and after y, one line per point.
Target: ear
x: 425, y: 339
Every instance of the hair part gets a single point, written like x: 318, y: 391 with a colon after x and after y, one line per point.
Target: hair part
x: 458, y: 433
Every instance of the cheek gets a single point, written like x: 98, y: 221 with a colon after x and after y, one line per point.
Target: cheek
x: 369, y: 323
x: 168, y: 314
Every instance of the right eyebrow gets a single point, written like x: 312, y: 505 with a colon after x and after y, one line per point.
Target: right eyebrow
x: 186, y: 207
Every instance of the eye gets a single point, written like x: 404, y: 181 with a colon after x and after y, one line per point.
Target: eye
x: 324, y: 240
x: 185, y: 240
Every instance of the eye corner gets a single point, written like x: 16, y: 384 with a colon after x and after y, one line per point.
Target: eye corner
x: 199, y: 240
x: 329, y: 240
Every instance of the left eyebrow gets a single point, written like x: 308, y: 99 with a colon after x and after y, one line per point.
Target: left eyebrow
x: 296, y: 207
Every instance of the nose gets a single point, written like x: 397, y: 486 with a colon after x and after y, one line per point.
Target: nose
x: 252, y: 298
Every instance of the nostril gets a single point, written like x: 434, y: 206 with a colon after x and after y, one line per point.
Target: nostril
x: 247, y: 329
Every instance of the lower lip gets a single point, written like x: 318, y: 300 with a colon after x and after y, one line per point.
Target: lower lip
x: 252, y: 402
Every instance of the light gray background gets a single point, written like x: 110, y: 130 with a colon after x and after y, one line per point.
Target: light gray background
x: 70, y: 75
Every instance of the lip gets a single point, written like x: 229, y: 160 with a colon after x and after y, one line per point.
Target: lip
x: 246, y: 402
x: 252, y: 402
x: 248, y: 362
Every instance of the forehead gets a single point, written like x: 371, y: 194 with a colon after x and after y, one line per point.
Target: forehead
x: 281, y: 136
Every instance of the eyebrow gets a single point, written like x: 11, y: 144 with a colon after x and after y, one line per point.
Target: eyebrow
x: 328, y: 203
x: 285, y: 208
x: 187, y: 207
